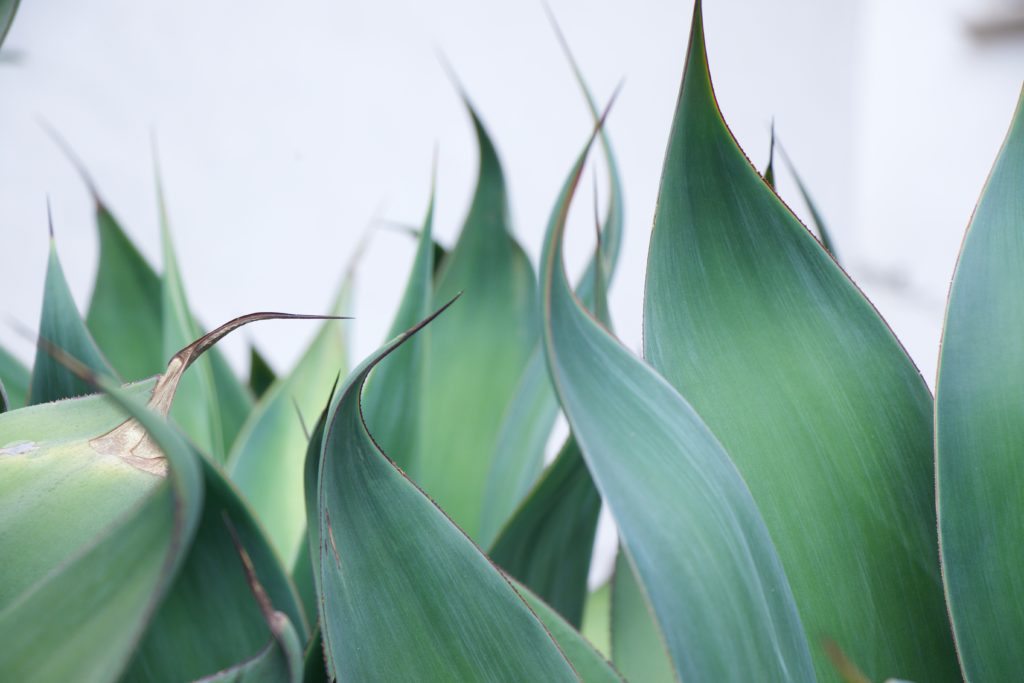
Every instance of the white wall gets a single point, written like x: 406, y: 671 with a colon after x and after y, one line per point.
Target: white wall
x: 282, y: 130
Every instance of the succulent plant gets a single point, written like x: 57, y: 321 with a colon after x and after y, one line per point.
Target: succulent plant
x: 791, y: 503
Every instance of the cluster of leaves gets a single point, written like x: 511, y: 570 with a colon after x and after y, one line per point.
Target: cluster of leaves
x: 770, y: 463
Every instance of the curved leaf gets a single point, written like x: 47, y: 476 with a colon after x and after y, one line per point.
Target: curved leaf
x: 519, y: 450
x: 61, y: 326
x: 209, y: 620
x: 476, y: 354
x: 688, y: 521
x: 809, y: 392
x: 406, y: 595
x: 81, y: 619
x: 980, y: 427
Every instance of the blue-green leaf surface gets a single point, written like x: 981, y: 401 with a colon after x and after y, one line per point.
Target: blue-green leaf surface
x: 62, y: 327
x: 698, y: 543
x: 406, y: 594
x: 980, y: 427
x: 809, y: 392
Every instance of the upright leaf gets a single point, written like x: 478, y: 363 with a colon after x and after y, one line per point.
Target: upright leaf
x: 688, y: 521
x: 394, y: 400
x: 810, y: 393
x: 61, y: 326
x: 405, y: 594
x: 15, y: 377
x: 197, y: 410
x: 596, y: 626
x: 548, y: 543
x: 980, y: 427
x: 817, y: 220
x: 125, y: 314
x: 519, y: 450
x: 476, y: 355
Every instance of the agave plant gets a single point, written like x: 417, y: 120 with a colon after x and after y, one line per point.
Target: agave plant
x: 791, y: 502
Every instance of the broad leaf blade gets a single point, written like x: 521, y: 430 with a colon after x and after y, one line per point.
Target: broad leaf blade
x: 8, y: 8
x: 61, y: 326
x: 699, y: 544
x: 81, y: 620
x: 808, y: 390
x: 476, y: 354
x: 548, y: 543
x: 980, y: 427
x: 209, y: 620
x: 388, y: 560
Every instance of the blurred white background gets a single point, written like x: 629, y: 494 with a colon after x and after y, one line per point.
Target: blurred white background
x: 285, y: 128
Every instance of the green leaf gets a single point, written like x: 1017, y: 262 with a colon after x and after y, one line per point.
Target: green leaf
x: 817, y: 220
x: 61, y: 326
x: 4, y: 404
x: 700, y: 546
x: 314, y: 669
x: 589, y: 664
x: 8, y: 8
x: 197, y: 409
x: 980, y: 427
x: 307, y: 567
x: 597, y: 625
x: 809, y: 392
x: 389, y: 610
x: 234, y: 398
x: 637, y: 647
x: 266, y: 461
x: 209, y: 620
x: 519, y: 451
x: 281, y: 659
x: 769, y: 169
x: 476, y: 355
x: 548, y: 543
x: 15, y: 378
x: 81, y: 578
x: 394, y: 400
x: 125, y: 314
x: 261, y: 375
